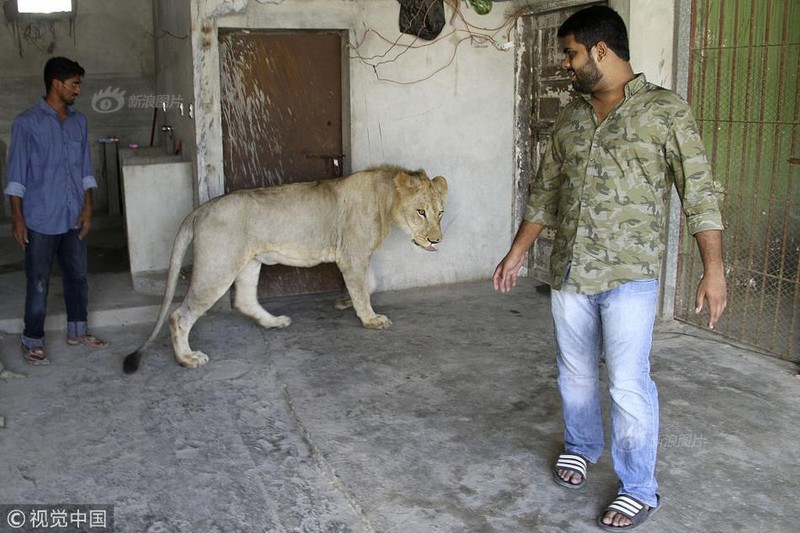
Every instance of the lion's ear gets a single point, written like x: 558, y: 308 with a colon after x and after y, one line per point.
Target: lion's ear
x: 440, y: 185
x: 403, y: 180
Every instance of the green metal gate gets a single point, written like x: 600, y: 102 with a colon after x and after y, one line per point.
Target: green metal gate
x: 743, y: 87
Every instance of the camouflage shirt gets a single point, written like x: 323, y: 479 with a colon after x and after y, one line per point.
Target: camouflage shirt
x: 605, y: 188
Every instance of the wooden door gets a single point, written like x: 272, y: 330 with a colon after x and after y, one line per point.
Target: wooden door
x: 551, y: 91
x: 282, y: 122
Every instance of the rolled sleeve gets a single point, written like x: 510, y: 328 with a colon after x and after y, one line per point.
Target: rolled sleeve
x: 709, y: 219
x: 693, y: 178
x: 89, y: 182
x: 15, y: 188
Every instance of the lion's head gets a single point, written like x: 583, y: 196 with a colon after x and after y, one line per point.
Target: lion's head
x: 421, y: 207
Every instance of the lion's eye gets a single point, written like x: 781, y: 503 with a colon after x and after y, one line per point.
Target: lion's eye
x: 441, y: 214
x: 421, y: 212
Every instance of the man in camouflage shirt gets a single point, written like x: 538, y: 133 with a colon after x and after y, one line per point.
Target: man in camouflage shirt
x: 604, y: 185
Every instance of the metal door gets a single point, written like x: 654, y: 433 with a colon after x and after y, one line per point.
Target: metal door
x: 744, y: 92
x: 282, y: 122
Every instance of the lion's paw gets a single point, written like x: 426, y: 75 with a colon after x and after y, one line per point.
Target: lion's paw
x: 277, y: 322
x: 345, y: 302
x: 192, y: 360
x: 377, y: 322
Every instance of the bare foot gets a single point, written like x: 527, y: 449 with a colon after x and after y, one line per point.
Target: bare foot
x: 570, y: 476
x: 613, y: 518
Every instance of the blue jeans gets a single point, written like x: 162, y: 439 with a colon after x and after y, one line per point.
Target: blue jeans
x: 39, y: 254
x: 619, y: 324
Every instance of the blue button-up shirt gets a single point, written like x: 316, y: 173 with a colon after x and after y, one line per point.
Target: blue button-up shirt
x: 49, y: 167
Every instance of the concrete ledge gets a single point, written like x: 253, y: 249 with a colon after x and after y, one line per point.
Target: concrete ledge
x: 154, y: 283
x: 97, y: 319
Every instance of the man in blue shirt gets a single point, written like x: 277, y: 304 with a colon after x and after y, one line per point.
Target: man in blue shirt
x: 49, y: 187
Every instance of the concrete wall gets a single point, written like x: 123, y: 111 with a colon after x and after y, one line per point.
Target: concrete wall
x: 651, y: 32
x: 175, y: 74
x: 113, y: 41
x: 457, y: 123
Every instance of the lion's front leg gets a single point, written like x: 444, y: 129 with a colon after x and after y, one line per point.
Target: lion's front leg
x: 356, y: 280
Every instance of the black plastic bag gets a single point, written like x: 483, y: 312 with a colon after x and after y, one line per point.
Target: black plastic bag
x: 423, y: 18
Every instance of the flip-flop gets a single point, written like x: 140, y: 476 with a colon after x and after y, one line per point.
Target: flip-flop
x: 628, y: 506
x: 35, y: 356
x: 90, y: 341
x: 572, y: 463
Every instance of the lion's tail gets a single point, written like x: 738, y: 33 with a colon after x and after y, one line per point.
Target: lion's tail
x: 182, y: 241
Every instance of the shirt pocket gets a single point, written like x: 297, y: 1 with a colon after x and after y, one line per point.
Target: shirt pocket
x: 75, y: 156
x: 644, y: 169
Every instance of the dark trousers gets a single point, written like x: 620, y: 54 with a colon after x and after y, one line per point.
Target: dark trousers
x: 71, y: 255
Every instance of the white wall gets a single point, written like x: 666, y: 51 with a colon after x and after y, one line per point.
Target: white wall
x: 651, y: 34
x: 458, y: 123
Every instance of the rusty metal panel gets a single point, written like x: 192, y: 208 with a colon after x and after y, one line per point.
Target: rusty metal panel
x: 744, y: 91
x: 281, y: 101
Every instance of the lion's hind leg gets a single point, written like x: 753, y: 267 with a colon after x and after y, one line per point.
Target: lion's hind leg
x: 245, y: 299
x: 209, y: 283
x: 180, y: 324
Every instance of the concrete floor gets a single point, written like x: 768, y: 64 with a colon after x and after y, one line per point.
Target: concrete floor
x: 447, y: 422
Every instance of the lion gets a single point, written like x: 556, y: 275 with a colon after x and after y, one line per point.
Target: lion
x: 340, y: 221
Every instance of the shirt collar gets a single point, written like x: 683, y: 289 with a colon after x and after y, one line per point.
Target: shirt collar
x: 635, y: 85
x: 632, y: 87
x: 44, y: 106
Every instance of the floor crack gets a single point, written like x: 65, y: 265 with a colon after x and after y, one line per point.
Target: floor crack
x: 324, y: 465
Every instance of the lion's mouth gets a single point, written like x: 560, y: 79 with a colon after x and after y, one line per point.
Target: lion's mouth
x: 430, y: 247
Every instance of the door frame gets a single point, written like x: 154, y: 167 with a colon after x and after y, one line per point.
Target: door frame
x: 526, y: 154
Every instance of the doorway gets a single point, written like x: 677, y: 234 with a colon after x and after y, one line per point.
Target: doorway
x: 544, y: 89
x: 282, y: 107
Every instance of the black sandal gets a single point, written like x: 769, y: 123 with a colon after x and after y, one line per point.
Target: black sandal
x: 628, y: 506
x: 572, y: 463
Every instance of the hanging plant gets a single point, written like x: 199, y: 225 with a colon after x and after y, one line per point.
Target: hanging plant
x: 481, y: 7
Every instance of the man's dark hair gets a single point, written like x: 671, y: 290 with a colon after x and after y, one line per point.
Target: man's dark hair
x: 60, y: 68
x: 598, y: 23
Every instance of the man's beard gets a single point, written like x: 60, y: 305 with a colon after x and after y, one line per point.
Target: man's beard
x: 587, y: 78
